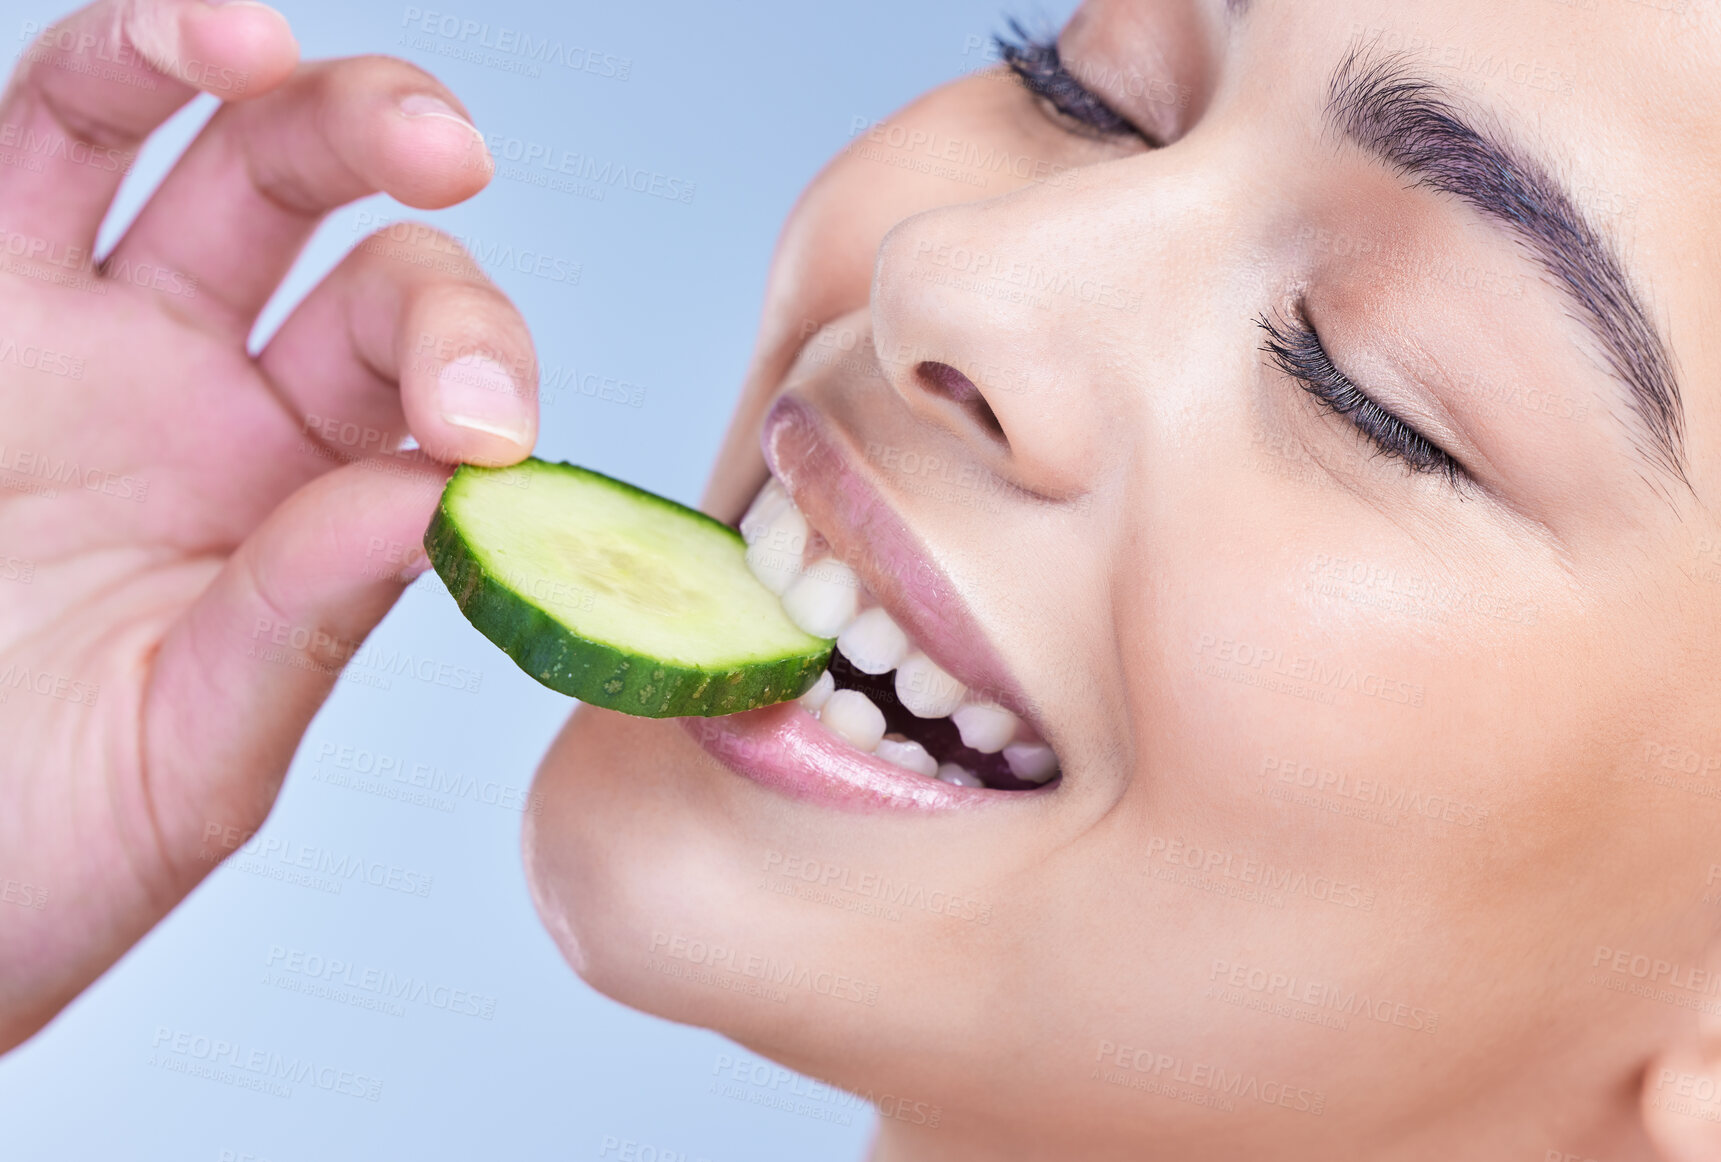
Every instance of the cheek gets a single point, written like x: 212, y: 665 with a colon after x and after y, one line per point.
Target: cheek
x: 1322, y: 707
x: 1313, y: 689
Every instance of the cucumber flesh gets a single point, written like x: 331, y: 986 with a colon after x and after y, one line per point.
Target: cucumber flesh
x: 614, y: 595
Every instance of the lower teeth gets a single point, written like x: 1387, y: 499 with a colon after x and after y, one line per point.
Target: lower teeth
x: 853, y: 704
x: 960, y: 775
x: 905, y: 752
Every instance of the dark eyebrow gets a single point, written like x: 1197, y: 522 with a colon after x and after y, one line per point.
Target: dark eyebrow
x: 1412, y: 125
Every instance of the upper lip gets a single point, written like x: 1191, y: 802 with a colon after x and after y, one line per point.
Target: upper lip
x: 839, y: 500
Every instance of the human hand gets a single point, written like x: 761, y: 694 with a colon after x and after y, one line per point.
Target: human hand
x: 194, y: 539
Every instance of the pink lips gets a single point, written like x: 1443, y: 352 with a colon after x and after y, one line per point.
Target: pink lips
x: 786, y: 749
x: 783, y: 746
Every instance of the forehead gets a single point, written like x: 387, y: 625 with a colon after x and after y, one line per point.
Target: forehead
x: 1620, y: 100
x: 1629, y: 90
x: 1651, y: 64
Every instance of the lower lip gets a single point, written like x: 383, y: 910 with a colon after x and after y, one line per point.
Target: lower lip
x: 784, y: 748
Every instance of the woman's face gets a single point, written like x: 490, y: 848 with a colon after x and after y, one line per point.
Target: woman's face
x: 1320, y: 459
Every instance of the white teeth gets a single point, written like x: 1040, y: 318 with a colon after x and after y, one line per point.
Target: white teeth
x: 909, y: 754
x: 770, y: 501
x: 1032, y: 762
x: 873, y: 643
x: 776, y: 535
x: 925, y: 690
x: 814, y: 700
x: 824, y: 598
x: 983, y: 726
x: 959, y: 775
x: 852, y: 716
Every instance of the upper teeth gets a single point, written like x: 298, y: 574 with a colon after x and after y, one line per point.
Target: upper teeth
x: 776, y: 535
x: 824, y: 599
x: 852, y: 715
x: 925, y: 689
x: 873, y: 642
x: 1032, y: 762
x: 820, y: 694
x: 984, y: 727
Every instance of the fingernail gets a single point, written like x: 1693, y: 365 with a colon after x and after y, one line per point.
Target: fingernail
x: 425, y: 105
x: 480, y: 395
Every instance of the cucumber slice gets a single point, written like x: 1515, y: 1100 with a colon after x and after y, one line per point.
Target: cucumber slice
x: 615, y: 596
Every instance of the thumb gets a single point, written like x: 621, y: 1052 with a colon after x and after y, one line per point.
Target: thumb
x: 238, y: 678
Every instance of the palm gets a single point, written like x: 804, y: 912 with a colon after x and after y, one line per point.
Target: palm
x: 192, y: 452
x: 184, y: 559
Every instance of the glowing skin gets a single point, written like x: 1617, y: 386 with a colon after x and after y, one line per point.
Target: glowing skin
x: 1328, y: 729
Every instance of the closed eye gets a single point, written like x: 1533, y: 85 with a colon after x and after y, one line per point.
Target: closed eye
x: 1035, y: 61
x: 1296, y: 349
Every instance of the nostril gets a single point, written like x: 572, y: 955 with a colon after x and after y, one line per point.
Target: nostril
x: 944, y: 380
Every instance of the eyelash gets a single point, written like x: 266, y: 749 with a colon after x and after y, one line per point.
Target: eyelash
x: 1297, y: 351
x: 1035, y: 61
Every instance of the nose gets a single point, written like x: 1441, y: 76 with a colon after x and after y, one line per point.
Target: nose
x: 1015, y: 322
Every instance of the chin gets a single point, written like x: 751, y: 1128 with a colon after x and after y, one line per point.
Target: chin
x: 618, y: 855
x: 646, y: 864
x: 647, y: 875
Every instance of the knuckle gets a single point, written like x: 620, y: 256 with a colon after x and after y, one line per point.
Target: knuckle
x: 370, y: 71
x: 423, y: 247
x: 472, y: 312
x: 475, y: 308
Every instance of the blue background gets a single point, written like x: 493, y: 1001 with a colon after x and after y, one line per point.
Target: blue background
x: 656, y: 295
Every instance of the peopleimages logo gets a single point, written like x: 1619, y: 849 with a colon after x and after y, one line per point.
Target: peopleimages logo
x: 428, y: 777
x: 232, y: 1063
x: 338, y: 867
x: 965, y: 160
x: 28, y: 148
x: 1372, y: 792
x: 1317, y: 997
x: 420, y: 244
x: 767, y: 1084
x: 1233, y: 874
x: 464, y: 38
x: 57, y: 470
x: 298, y: 968
x: 1199, y: 1082
x: 1235, y: 657
x: 116, y: 59
x: 752, y: 973
x: 568, y: 171
x: 874, y: 886
x: 47, y: 685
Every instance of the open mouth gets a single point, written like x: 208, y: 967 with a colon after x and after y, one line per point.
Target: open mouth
x: 883, y: 695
